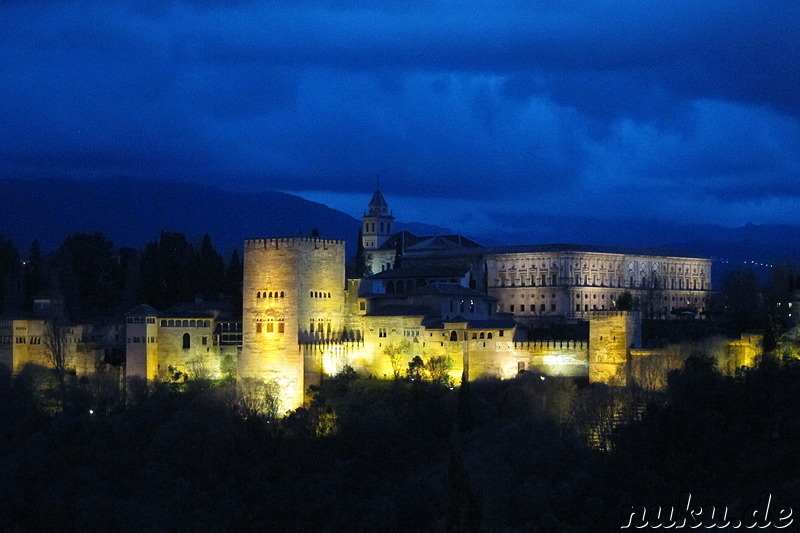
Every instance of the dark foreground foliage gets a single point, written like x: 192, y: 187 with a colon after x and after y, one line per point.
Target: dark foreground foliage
x: 372, y: 455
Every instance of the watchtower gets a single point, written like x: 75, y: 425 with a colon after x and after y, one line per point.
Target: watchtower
x: 293, y: 292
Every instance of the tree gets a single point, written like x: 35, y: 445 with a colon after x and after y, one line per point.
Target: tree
x: 258, y: 397
x: 56, y: 347
x: 10, y: 275
x: 416, y: 368
x: 87, y: 273
x: 210, y: 273
x: 742, y: 300
x: 651, y: 371
x: 397, y: 353
x: 35, y: 274
x: 167, y: 269
x: 625, y: 301
x: 360, y: 261
x: 233, y: 280
x: 437, y: 368
x: 129, y: 279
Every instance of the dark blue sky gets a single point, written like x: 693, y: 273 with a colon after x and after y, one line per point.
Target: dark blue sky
x: 473, y: 112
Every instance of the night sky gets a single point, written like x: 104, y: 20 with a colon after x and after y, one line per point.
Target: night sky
x: 475, y: 114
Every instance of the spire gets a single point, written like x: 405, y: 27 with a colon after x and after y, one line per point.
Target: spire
x: 378, y: 205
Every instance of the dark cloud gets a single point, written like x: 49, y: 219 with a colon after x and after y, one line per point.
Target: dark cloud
x: 529, y: 106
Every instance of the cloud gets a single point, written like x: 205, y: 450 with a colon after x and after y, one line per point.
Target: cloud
x: 587, y: 106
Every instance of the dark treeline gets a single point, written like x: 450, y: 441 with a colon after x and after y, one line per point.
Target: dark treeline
x: 95, y: 279
x: 526, y: 454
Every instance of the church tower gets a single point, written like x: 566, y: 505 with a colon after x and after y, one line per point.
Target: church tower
x: 377, y: 222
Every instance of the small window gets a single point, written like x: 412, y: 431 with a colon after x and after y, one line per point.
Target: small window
x: 186, y: 341
x: 453, y: 336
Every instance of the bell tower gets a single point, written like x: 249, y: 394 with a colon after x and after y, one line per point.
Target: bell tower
x: 377, y: 222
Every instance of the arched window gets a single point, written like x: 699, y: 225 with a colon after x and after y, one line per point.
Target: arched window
x: 258, y: 294
x: 489, y: 335
x: 281, y: 294
x: 329, y: 295
x: 310, y: 294
x: 482, y: 335
x: 186, y: 341
x: 270, y: 294
x: 453, y: 336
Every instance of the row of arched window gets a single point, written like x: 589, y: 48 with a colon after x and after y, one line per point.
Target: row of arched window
x: 318, y: 294
x: 475, y: 335
x: 185, y: 323
x: 270, y: 294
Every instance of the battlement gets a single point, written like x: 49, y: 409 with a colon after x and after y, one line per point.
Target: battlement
x: 290, y: 242
x: 602, y: 313
x: 551, y: 345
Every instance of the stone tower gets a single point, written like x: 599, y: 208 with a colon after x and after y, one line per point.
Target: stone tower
x: 377, y: 222
x: 293, y: 293
x: 611, y: 336
x: 141, y: 350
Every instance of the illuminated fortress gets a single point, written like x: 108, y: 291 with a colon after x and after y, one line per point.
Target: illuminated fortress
x: 473, y: 310
x: 446, y: 297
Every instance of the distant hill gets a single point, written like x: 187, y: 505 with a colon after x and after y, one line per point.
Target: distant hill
x: 132, y: 213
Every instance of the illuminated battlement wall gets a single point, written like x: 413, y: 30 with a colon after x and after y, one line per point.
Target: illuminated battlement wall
x: 554, y: 358
x: 293, y: 288
x: 290, y: 242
